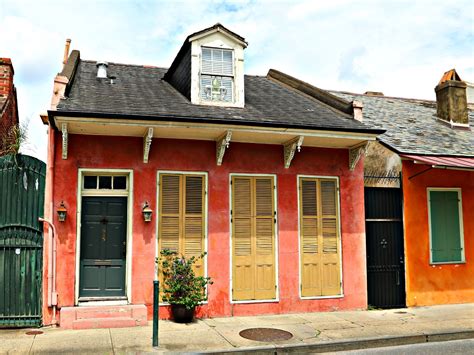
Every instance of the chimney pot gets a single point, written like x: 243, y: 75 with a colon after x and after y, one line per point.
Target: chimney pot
x: 66, y: 50
x: 102, y: 69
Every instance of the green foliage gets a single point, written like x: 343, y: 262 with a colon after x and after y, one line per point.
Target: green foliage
x: 14, y: 139
x: 181, y: 285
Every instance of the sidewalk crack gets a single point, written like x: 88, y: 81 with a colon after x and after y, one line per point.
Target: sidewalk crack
x: 32, y: 342
x: 111, y: 342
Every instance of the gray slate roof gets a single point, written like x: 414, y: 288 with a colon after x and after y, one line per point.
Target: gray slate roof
x: 140, y: 91
x: 412, y: 126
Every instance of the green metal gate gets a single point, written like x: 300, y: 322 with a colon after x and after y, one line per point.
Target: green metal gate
x: 22, y: 184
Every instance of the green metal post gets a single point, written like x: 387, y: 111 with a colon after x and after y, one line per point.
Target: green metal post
x: 156, y: 309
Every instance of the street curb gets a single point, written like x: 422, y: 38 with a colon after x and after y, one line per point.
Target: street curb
x: 346, y: 345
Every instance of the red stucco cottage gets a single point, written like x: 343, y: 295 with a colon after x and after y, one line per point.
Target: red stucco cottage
x: 265, y: 173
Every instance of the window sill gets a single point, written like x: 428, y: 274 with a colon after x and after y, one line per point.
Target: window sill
x: 447, y: 263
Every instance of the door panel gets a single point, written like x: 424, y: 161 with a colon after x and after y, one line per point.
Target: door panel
x: 253, y: 238
x: 319, y: 237
x: 385, y: 250
x: 103, y: 247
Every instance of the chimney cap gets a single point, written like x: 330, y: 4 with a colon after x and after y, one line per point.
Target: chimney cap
x: 450, y: 75
x: 101, y: 62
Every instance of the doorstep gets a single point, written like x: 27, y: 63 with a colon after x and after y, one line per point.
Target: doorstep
x: 105, y: 316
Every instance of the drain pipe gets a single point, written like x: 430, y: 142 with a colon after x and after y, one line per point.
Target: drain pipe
x: 52, y: 295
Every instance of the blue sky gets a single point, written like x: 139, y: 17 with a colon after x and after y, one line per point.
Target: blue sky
x: 401, y: 48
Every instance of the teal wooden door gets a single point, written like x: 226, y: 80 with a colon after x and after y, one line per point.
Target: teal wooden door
x: 103, y: 247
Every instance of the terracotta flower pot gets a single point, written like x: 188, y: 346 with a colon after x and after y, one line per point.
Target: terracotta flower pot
x: 181, y: 314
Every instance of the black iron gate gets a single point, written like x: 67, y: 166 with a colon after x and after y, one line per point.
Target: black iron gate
x: 385, y: 252
x: 22, y: 184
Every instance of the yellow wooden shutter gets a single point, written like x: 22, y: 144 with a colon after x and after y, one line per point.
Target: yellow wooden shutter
x: 310, y: 254
x: 264, y: 239
x: 253, y: 241
x: 319, y: 239
x: 242, y: 256
x: 330, y: 272
x: 193, y: 243
x: 170, y: 212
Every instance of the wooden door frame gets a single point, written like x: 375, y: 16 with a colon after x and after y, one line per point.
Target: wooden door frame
x: 157, y: 227
x: 276, y: 240
x: 129, y: 194
x: 336, y: 178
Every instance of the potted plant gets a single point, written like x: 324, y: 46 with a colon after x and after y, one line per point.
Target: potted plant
x: 182, y: 289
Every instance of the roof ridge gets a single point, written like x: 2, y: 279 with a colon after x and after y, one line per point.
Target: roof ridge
x: 126, y: 64
x: 383, y: 96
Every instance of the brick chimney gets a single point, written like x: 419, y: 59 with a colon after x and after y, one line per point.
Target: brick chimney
x: 451, y: 99
x: 6, y: 77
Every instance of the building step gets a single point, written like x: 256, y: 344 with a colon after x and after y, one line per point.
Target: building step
x: 92, y: 317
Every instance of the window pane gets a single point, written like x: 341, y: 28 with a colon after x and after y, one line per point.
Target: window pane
x: 105, y: 182
x: 206, y: 54
x: 216, y: 88
x: 120, y: 182
x: 445, y: 228
x: 90, y: 182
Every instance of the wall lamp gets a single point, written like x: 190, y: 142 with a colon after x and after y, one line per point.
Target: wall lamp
x: 147, y: 212
x: 62, y: 212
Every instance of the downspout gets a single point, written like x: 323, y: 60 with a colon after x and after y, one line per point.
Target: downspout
x: 52, y: 295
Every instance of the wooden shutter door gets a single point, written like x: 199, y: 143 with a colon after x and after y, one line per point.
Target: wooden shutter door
x: 264, y: 238
x: 243, y: 271
x: 309, y: 243
x: 193, y: 241
x: 330, y: 257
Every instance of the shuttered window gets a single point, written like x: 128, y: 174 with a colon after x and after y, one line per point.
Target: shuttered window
x: 253, y: 238
x: 217, y: 73
x: 319, y: 237
x: 182, y: 215
x: 446, y: 226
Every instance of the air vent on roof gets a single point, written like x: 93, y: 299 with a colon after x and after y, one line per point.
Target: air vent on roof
x: 102, y: 69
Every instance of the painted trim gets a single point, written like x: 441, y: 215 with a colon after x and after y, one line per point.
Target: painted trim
x: 298, y: 177
x: 128, y: 262
x: 220, y: 126
x: 206, y: 194
x: 461, y: 225
x: 275, y: 201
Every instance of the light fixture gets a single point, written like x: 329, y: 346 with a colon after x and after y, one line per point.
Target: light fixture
x: 62, y: 212
x: 147, y: 212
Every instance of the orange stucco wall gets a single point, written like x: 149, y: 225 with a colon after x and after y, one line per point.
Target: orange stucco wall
x: 188, y: 155
x: 436, y: 284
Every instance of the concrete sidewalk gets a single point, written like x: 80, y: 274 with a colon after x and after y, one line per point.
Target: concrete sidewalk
x: 312, y: 332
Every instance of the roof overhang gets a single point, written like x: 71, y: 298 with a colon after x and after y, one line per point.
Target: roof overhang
x: 210, y: 131
x: 442, y: 162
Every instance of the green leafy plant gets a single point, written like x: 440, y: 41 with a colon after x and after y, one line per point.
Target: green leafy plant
x: 181, y: 285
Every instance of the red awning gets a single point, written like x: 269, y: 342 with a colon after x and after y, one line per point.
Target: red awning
x: 442, y: 162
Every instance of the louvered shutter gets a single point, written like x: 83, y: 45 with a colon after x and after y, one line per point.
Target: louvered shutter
x: 243, y: 266
x: 264, y: 239
x: 310, y: 254
x: 330, y: 272
x: 182, y: 216
x: 253, y: 238
x: 170, y: 212
x: 193, y: 242
x: 319, y: 239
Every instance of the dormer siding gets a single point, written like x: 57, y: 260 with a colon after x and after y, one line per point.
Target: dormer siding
x: 179, y: 74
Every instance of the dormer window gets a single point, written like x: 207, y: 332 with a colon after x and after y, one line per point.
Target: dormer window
x: 217, y: 75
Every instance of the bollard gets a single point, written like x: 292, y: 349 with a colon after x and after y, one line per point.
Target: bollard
x: 156, y: 310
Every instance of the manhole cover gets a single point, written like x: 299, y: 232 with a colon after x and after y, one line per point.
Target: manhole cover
x: 265, y: 334
x: 34, y: 332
